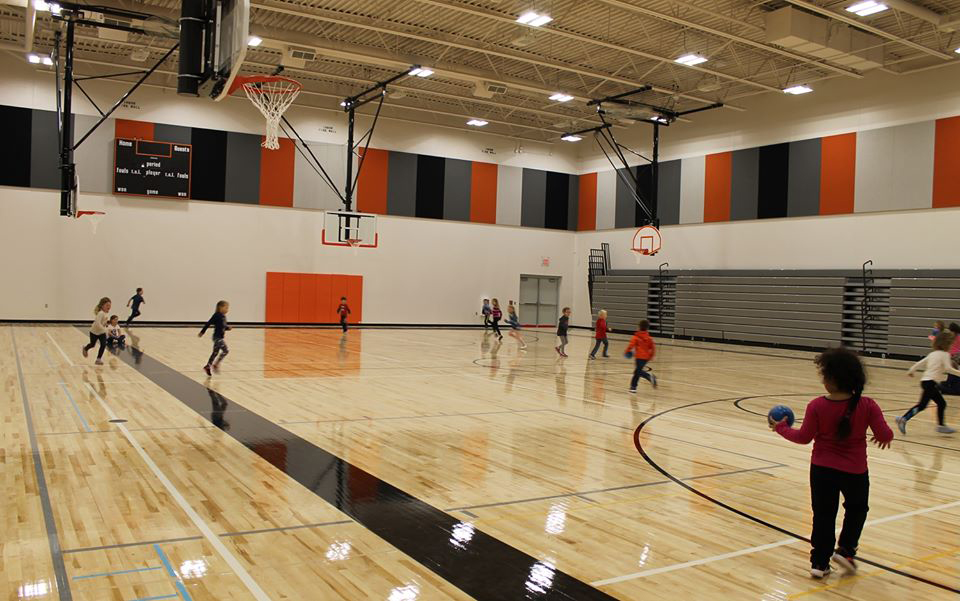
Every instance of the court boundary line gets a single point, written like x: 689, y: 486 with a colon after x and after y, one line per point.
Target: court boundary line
x: 753, y: 518
x: 238, y: 569
x: 59, y: 348
x: 53, y: 538
x: 86, y: 426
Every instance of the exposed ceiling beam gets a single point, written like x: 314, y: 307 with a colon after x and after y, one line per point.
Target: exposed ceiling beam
x: 730, y: 36
x: 509, y: 20
x: 868, y: 28
x: 366, y: 51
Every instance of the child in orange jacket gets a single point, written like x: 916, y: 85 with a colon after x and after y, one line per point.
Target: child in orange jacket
x: 642, y: 349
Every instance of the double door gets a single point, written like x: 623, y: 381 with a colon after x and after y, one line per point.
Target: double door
x: 539, y: 298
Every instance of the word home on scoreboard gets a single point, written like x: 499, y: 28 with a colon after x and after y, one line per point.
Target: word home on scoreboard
x: 146, y: 168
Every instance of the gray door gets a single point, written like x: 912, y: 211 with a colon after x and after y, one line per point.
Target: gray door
x: 539, y: 299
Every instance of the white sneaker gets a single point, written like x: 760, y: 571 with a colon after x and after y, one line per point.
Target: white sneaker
x: 945, y: 429
x: 634, y: 390
x: 820, y: 572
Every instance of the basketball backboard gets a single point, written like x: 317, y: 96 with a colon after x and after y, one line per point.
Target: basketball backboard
x: 229, y: 38
x: 646, y: 241
x: 346, y: 228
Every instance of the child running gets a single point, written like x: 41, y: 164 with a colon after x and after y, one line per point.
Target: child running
x: 601, y: 335
x: 343, y: 310
x: 495, y: 315
x: 134, y: 303
x: 98, y: 329
x: 514, y: 320
x: 952, y: 385
x: 115, y: 335
x: 938, y: 327
x: 486, y: 311
x: 562, y: 327
x: 837, y: 424
x: 642, y: 349
x: 219, y: 323
x: 935, y: 366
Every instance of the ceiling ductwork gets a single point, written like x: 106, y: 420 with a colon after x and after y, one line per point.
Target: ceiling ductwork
x: 823, y: 38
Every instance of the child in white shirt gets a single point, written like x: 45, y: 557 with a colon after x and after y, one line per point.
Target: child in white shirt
x: 115, y: 336
x: 935, y: 367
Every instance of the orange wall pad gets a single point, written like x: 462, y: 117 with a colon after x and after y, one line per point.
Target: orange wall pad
x: 276, y: 174
x: 946, y: 164
x: 483, y: 193
x: 135, y: 130
x: 312, y: 297
x: 372, y: 184
x: 587, y: 207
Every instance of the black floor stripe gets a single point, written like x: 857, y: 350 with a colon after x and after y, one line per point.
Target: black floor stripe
x: 753, y: 518
x: 476, y: 563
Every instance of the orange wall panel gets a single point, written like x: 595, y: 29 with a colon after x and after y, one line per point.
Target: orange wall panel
x: 716, y: 189
x: 326, y: 312
x: 274, y: 301
x: 276, y: 174
x: 338, y: 288
x: 137, y: 130
x: 946, y: 164
x: 838, y: 167
x: 308, y: 298
x: 372, y: 184
x: 587, y: 207
x: 291, y: 298
x: 483, y: 193
x: 355, y: 298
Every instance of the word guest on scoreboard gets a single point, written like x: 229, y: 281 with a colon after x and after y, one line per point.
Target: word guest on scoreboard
x: 146, y: 168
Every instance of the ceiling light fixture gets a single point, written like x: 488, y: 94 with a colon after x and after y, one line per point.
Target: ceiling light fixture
x: 534, y: 19
x: 570, y: 138
x: 957, y: 50
x: 690, y: 60
x: 44, y: 6
x: 561, y: 97
x: 867, y: 8
x: 421, y: 72
x: 660, y: 119
x: 47, y: 61
x: 254, y: 41
x: 34, y: 59
x: 476, y: 122
x: 797, y: 90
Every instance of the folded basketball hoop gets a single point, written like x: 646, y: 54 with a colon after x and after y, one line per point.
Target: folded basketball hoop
x: 272, y: 95
x: 646, y: 242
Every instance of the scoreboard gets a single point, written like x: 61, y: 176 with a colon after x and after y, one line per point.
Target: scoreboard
x: 147, y: 168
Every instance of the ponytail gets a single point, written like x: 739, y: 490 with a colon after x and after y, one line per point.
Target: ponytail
x: 103, y: 301
x: 843, y: 428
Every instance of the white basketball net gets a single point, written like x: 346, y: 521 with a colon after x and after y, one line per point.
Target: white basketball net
x: 272, y: 98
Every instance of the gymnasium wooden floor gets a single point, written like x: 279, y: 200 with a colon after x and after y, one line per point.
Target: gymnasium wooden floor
x: 415, y: 464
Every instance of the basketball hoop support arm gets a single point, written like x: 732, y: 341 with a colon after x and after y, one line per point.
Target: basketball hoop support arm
x: 350, y: 106
x: 71, y: 14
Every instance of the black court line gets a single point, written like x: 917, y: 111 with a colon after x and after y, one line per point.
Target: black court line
x: 483, y: 567
x: 719, y: 350
x: 738, y: 404
x: 744, y: 514
x: 53, y: 539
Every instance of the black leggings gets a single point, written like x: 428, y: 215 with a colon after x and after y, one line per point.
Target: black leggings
x: 596, y: 347
x: 638, y: 373
x: 931, y: 392
x: 496, y: 326
x: 219, y: 346
x: 133, y: 313
x: 94, y: 339
x: 826, y: 485
x: 343, y: 322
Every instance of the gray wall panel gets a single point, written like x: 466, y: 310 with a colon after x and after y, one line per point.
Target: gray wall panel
x: 402, y: 184
x: 243, y: 168
x: 44, y: 154
x: 457, y: 179
x: 95, y: 156
x: 744, y: 180
x: 509, y: 190
x: 533, y: 198
x: 668, y: 193
x: 163, y: 132
x: 803, y: 181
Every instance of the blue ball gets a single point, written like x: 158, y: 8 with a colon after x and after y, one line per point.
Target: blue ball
x: 782, y: 411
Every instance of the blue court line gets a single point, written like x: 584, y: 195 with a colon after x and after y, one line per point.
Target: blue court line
x: 85, y: 576
x: 47, y: 357
x: 77, y: 409
x: 176, y: 579
x: 155, y: 598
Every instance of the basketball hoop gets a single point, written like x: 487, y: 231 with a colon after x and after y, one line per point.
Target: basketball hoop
x: 646, y: 242
x: 93, y: 217
x: 272, y: 95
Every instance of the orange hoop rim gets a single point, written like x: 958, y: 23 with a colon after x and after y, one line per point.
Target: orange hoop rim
x: 656, y: 241
x: 249, y: 82
x: 80, y: 214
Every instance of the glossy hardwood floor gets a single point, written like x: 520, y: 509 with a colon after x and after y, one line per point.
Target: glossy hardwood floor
x: 530, y: 450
